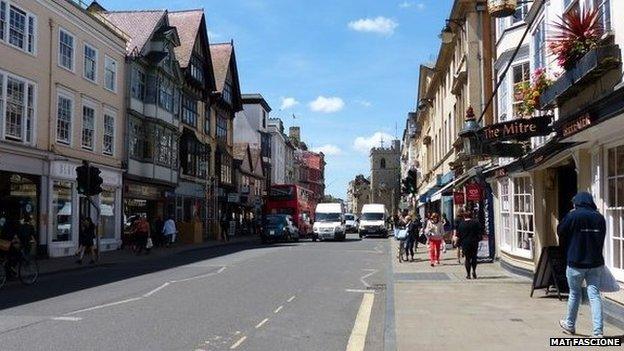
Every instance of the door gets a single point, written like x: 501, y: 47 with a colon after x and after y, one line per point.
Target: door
x: 567, y: 188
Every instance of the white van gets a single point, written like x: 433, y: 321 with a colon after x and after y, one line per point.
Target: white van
x: 373, y: 221
x: 329, y: 222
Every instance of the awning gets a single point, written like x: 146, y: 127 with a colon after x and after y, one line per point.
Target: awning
x: 426, y: 197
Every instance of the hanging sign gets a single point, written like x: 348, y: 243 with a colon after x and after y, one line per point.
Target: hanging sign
x: 517, y: 129
x: 458, y: 197
x: 473, y: 192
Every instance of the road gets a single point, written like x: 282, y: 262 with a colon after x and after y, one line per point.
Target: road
x: 297, y: 296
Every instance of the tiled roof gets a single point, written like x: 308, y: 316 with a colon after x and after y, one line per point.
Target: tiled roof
x: 221, y: 55
x: 139, y: 25
x: 187, y: 23
x: 240, y: 149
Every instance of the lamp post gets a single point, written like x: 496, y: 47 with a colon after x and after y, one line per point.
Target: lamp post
x: 472, y: 144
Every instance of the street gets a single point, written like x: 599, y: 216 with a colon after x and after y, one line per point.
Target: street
x: 295, y: 296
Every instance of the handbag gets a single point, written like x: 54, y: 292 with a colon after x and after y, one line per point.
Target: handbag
x: 422, y: 238
x: 149, y: 244
x: 608, y: 284
x: 401, y: 234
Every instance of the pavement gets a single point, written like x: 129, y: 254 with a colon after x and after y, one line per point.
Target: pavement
x: 246, y: 296
x: 437, y: 308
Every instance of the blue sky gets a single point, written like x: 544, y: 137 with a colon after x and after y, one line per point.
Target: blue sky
x: 346, y: 69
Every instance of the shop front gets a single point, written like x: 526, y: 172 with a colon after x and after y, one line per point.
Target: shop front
x: 191, y: 214
x: 152, y: 200
x: 67, y: 207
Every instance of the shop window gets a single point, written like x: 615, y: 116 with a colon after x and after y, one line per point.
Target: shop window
x: 107, y: 214
x: 19, y: 194
x: 517, y: 219
x: 615, y: 207
x: 63, y: 211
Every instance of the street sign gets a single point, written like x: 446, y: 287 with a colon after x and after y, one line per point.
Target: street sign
x: 473, y: 192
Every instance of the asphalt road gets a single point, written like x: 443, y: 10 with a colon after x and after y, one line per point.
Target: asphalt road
x: 296, y: 296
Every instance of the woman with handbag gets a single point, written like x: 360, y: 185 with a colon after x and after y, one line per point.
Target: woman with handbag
x: 142, y: 235
x: 435, y: 234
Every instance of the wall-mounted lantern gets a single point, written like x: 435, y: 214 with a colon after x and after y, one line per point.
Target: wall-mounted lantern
x: 470, y: 134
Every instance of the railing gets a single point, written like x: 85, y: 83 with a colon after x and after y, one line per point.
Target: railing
x: 98, y: 17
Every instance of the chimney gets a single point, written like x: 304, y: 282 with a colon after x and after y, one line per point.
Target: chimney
x: 295, y: 134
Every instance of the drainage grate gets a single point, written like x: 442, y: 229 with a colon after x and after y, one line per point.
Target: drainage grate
x: 422, y: 276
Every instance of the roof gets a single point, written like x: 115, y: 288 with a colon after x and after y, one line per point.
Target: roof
x: 221, y: 56
x: 256, y: 99
x: 139, y: 25
x: 187, y: 23
x: 240, y: 149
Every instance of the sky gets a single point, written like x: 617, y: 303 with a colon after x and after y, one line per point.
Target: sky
x: 346, y: 69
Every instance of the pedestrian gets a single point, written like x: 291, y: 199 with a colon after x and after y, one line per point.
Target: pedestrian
x: 447, y: 230
x: 435, y: 235
x: 224, y: 227
x: 419, y: 229
x: 86, y: 235
x: 469, y: 232
x: 142, y: 235
x: 413, y: 228
x: 581, y: 236
x: 456, y: 238
x: 169, y: 231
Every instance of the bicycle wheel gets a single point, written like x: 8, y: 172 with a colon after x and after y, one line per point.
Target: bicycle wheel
x: 28, y: 271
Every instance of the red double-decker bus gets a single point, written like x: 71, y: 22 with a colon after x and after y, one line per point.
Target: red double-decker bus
x: 292, y: 200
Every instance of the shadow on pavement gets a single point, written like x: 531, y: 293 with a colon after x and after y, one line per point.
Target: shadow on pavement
x: 60, y: 283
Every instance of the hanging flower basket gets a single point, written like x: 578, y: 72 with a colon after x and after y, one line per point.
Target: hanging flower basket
x: 502, y: 8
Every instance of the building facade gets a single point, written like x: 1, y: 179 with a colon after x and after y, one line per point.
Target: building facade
x: 358, y: 194
x: 279, y: 148
x: 61, y: 102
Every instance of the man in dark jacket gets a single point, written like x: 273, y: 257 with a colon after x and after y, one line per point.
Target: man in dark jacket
x: 581, y: 236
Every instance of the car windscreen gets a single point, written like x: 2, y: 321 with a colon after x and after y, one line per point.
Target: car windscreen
x: 349, y: 217
x: 328, y: 217
x: 370, y: 216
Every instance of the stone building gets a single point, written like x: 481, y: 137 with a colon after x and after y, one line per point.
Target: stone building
x: 385, y: 179
x: 358, y: 194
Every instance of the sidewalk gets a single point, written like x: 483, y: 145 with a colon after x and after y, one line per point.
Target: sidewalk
x: 436, y: 308
x: 66, y: 264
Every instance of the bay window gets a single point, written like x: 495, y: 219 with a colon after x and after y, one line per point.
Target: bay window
x: 227, y: 92
x: 137, y: 88
x: 17, y: 107
x: 222, y: 128
x: 615, y: 209
x: 189, y: 111
x: 165, y: 95
x: 88, y: 127
x: 517, y: 217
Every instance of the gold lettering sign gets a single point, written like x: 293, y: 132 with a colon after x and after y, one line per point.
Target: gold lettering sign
x: 576, y: 125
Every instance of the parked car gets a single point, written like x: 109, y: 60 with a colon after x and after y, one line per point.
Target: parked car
x: 350, y: 223
x: 279, y: 227
x: 373, y: 221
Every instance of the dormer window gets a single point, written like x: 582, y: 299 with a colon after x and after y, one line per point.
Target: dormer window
x: 196, y: 68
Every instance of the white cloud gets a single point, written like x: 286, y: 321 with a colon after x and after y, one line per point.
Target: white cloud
x: 364, y: 144
x: 378, y: 25
x: 364, y: 103
x: 288, y: 102
x: 328, y: 150
x: 409, y: 4
x: 327, y: 104
x: 212, y: 35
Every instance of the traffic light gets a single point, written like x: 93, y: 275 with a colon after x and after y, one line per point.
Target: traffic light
x: 409, y: 183
x: 88, y: 179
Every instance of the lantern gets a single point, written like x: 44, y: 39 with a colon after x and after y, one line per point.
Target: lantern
x: 502, y: 8
x: 470, y: 134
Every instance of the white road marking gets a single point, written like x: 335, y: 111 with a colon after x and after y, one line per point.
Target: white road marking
x: 221, y: 269
x: 238, y: 343
x: 103, y: 306
x: 361, y: 291
x: 259, y: 325
x: 371, y: 272
x: 69, y: 319
x: 291, y: 299
x: 156, y: 290
x: 278, y: 309
x: 357, y: 340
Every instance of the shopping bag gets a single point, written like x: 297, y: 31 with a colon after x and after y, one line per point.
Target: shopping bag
x: 149, y: 244
x: 608, y: 284
x: 401, y: 234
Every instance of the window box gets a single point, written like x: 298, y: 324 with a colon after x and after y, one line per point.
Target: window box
x: 591, y: 67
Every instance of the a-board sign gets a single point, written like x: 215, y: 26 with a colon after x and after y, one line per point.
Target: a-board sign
x: 551, y: 271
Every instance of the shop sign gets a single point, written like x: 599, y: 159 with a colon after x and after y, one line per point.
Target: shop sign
x: 576, y: 125
x: 473, y: 192
x: 144, y: 191
x: 518, y: 129
x: 458, y: 197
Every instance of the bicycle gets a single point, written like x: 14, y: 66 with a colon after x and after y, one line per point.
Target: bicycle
x: 26, y: 269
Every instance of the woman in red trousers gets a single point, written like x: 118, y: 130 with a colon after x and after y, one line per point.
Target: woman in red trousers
x: 435, y: 234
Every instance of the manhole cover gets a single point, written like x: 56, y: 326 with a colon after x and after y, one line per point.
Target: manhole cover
x: 422, y: 276
x: 377, y: 287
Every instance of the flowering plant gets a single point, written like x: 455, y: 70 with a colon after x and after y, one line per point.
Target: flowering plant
x: 574, y: 35
x: 530, y: 92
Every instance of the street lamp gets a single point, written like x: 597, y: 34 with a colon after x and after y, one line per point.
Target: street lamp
x: 447, y: 33
x: 470, y: 134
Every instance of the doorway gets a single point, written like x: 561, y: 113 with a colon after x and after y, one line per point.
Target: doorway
x: 567, y: 188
